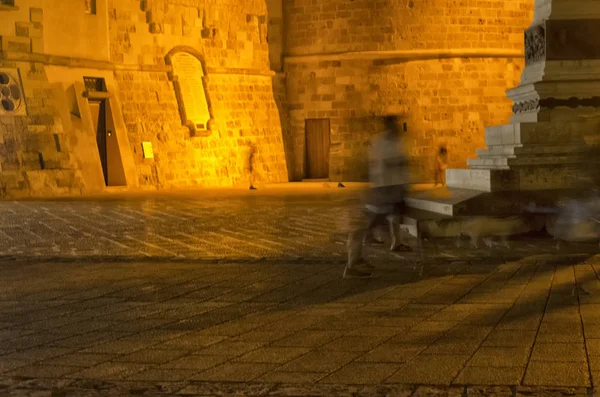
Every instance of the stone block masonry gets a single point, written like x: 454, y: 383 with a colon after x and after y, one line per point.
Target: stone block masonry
x: 444, y: 65
x: 228, y: 37
x: 31, y: 163
x: 244, y: 111
x: 35, y: 154
x: 444, y: 101
x: 231, y: 38
x: 386, y: 25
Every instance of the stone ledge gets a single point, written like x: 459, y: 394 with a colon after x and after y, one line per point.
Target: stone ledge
x: 240, y: 71
x: 107, y: 65
x: 406, y: 54
x: 7, y: 7
x: 92, y: 388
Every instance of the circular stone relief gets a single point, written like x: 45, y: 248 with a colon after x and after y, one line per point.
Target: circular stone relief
x: 8, y: 105
x: 11, y: 96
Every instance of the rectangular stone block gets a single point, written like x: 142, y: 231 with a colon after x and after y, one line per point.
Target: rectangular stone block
x: 487, y: 180
x: 36, y: 15
x: 15, y: 44
x: 37, y: 45
x: 28, y: 29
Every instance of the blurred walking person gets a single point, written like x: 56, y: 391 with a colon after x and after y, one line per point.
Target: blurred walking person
x: 251, y: 166
x: 389, y: 176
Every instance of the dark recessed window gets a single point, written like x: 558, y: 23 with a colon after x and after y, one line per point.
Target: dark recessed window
x: 94, y: 84
x: 90, y: 7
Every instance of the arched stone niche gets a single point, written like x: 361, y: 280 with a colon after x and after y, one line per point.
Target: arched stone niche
x: 189, y: 79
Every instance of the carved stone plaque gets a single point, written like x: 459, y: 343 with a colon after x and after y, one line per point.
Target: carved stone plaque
x: 12, y: 99
x: 535, y: 44
x: 147, y: 150
x: 572, y: 40
x: 189, y: 74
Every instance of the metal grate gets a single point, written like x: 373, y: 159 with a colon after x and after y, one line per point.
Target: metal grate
x: 94, y: 84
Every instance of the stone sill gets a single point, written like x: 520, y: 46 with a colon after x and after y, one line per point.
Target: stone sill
x: 6, y: 7
x: 201, y: 133
x: 416, y: 54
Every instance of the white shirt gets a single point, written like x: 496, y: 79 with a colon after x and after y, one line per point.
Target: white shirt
x: 385, y: 148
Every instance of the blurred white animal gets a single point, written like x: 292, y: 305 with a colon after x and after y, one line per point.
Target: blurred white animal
x: 489, y: 228
x: 576, y: 221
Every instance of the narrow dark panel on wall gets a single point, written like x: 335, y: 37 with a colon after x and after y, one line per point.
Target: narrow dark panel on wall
x: 42, y: 163
x: 90, y: 6
x: 94, y: 84
x: 57, y: 143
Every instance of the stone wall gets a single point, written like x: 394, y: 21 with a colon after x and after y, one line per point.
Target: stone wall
x: 35, y: 153
x: 231, y: 37
x: 444, y: 102
x: 43, y: 151
x: 332, y: 26
x: 445, y: 65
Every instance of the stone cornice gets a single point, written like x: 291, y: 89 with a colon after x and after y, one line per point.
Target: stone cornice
x: 407, y: 55
x: 552, y: 103
x: 106, y: 65
x: 6, y: 7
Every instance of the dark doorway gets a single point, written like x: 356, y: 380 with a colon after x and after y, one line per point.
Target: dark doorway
x: 98, y: 110
x: 317, y: 148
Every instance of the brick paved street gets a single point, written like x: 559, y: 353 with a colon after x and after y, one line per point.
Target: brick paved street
x: 472, y: 322
x: 208, y: 225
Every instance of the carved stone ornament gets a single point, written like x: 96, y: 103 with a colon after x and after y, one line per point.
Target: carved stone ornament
x: 526, y: 106
x: 12, y: 101
x: 553, y: 103
x: 535, y: 44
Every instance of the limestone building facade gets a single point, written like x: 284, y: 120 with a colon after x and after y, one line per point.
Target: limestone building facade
x: 443, y: 64
x: 175, y: 93
x: 135, y: 94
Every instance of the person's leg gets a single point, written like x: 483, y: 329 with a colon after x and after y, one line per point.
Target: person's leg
x: 252, y: 180
x: 395, y: 220
x: 356, y: 265
x: 396, y: 233
x: 374, y: 221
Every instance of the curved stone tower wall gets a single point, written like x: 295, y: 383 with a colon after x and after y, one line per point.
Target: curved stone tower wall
x: 231, y: 38
x: 444, y: 64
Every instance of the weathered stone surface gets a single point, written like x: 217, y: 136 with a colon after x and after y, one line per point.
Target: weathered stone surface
x: 446, y: 99
x: 230, y: 41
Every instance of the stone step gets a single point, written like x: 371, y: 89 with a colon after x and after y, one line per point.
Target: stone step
x: 489, y: 162
x: 545, y: 175
x: 425, y: 224
x: 550, y: 149
x: 497, y: 151
x: 482, y: 180
x: 473, y: 209
x: 440, y: 201
x: 555, y: 159
x: 540, y: 133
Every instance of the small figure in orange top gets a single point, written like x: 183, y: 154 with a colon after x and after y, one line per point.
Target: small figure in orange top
x: 441, y: 163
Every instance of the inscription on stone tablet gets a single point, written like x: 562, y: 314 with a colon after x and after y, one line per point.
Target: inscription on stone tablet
x: 188, y: 70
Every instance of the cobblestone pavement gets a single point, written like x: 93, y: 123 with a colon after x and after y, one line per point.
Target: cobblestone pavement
x: 206, y: 225
x: 517, y: 322
x: 281, y: 329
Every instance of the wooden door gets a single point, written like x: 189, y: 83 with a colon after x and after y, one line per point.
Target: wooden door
x: 98, y: 110
x: 317, y: 148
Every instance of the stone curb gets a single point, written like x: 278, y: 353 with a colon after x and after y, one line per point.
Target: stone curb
x: 276, y: 260
x: 89, y: 388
